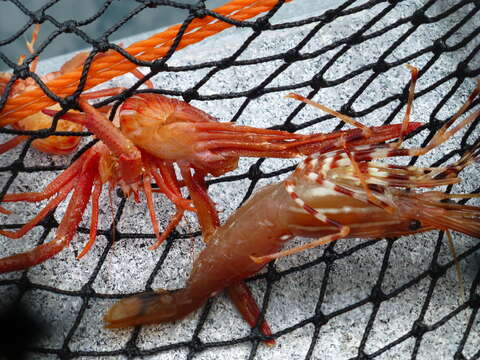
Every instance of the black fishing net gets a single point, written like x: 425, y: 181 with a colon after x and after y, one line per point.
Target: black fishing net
x: 358, y: 299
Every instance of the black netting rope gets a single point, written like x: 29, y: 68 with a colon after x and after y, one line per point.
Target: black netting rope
x: 372, y: 28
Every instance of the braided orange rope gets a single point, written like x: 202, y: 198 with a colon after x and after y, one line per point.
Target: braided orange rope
x: 112, y: 65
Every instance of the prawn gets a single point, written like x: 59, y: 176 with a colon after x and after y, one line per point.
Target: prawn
x: 337, y: 194
x: 57, y: 145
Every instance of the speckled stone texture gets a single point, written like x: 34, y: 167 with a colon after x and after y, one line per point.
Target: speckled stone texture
x: 294, y: 296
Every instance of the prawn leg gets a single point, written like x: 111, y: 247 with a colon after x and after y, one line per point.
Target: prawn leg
x: 13, y: 142
x: 206, y: 212
x: 366, y: 131
x: 97, y: 190
x: 443, y: 134
x: 54, y: 186
x: 168, y: 184
x: 173, y: 221
x: 67, y: 228
x: 147, y: 188
x: 346, y: 119
x: 61, y: 195
x: 242, y: 298
x: 458, y: 269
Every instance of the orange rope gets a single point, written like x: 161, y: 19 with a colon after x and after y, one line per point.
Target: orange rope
x: 112, y: 65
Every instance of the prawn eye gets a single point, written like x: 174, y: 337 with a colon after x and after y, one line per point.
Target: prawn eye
x: 414, y: 225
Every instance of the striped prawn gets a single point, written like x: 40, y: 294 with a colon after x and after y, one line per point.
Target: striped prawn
x: 338, y: 194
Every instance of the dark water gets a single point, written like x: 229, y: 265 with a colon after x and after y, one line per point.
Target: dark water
x: 13, y: 19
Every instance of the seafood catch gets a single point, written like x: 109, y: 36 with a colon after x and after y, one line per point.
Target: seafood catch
x: 156, y: 134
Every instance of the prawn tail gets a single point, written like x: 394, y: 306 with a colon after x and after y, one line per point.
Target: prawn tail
x: 152, y: 308
x: 431, y: 210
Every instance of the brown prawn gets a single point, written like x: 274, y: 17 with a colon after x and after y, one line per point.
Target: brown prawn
x: 337, y: 194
